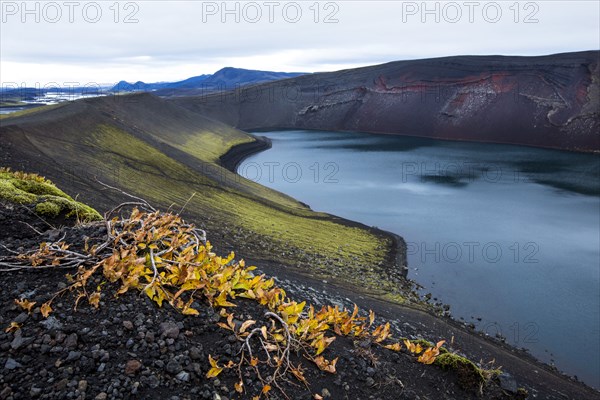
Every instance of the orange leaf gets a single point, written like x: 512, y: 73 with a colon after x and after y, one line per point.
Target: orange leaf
x: 428, y: 357
x: 324, y: 365
x: 298, y: 374
x: 394, y: 347
x: 239, y: 387
x: 25, y: 304
x: 14, y: 326
x: 45, y: 309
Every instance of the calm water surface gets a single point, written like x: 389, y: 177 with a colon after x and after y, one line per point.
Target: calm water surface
x: 506, y: 234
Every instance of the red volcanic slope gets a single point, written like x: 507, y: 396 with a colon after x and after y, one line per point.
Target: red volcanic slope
x: 549, y: 101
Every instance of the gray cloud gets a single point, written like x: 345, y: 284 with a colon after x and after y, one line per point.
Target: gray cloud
x: 174, y: 40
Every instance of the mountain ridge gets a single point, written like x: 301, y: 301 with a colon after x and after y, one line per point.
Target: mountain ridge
x: 545, y: 101
x: 223, y: 79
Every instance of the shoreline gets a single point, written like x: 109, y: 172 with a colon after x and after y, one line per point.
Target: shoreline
x: 441, y: 138
x: 238, y: 153
x: 397, y: 254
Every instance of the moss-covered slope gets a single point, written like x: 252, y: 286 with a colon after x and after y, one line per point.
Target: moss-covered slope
x: 170, y: 157
x: 47, y: 199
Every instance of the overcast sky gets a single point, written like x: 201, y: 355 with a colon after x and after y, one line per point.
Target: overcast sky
x: 106, y: 41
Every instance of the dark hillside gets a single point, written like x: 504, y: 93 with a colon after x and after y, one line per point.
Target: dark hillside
x: 550, y: 101
x: 171, y: 156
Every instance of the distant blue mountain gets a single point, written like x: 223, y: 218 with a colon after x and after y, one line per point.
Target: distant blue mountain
x: 125, y: 86
x: 224, y: 79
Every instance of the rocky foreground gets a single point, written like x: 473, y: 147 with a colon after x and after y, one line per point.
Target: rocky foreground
x: 130, y: 348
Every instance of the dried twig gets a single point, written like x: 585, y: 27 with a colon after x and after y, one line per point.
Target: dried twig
x: 31, y: 227
x: 127, y: 194
x: 186, y: 203
x: 37, y: 216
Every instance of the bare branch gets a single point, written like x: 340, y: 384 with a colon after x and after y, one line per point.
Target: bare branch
x: 32, y: 228
x: 126, y: 194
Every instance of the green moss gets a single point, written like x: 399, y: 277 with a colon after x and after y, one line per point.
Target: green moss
x: 83, y: 212
x: 39, y: 188
x: 469, y: 374
x: 48, y: 209
x: 10, y: 193
x: 21, y: 188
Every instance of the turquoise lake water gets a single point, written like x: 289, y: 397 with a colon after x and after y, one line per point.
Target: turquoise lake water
x: 506, y: 234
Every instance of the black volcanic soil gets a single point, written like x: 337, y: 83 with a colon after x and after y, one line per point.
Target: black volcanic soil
x: 548, y: 101
x: 130, y: 349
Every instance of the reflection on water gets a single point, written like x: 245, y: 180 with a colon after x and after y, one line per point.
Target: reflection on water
x: 508, y: 234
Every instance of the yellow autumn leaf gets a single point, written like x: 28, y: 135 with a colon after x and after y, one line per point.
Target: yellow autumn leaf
x: 322, y: 343
x: 246, y: 325
x: 14, y: 326
x: 266, y: 389
x: 278, y: 337
x: 382, y: 333
x: 189, y: 311
x: 25, y: 304
x: 94, y: 299
x: 224, y: 326
x: 239, y: 386
x: 429, y: 356
x: 394, y: 347
x: 45, y: 309
x: 415, y: 349
x: 160, y: 296
x: 150, y: 291
x: 215, y: 370
x: 221, y: 300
